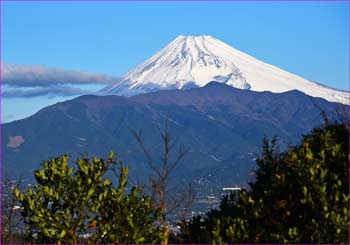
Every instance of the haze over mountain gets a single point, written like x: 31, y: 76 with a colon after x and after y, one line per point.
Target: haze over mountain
x: 194, y: 61
x: 222, y: 127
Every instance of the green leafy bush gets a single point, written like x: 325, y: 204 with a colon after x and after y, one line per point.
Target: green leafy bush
x: 79, y: 204
x: 299, y: 196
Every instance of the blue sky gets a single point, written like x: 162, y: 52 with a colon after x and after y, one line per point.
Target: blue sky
x: 306, y: 38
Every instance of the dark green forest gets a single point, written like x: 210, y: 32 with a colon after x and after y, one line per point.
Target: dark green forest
x: 299, y: 195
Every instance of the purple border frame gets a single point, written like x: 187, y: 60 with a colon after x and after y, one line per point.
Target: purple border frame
x: 1, y: 181
x: 257, y: 1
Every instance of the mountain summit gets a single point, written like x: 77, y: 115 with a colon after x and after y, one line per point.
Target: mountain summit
x: 194, y: 61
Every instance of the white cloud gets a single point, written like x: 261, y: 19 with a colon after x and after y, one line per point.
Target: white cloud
x: 31, y: 76
x: 21, y: 81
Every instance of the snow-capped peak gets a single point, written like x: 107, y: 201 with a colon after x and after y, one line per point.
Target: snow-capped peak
x: 194, y: 61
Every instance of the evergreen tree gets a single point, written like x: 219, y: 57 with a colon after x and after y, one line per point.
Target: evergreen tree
x: 299, y: 196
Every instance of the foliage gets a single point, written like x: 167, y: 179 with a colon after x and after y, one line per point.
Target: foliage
x: 11, y: 220
x: 159, y: 179
x: 299, y: 196
x: 79, y: 204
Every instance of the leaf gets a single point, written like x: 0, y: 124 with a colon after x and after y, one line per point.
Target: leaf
x: 130, y: 221
x: 34, y: 219
x: 107, y: 182
x: 62, y: 234
x: 17, y: 192
x: 91, y: 192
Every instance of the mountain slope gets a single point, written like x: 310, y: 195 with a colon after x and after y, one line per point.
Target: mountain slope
x: 193, y: 61
x: 222, y: 127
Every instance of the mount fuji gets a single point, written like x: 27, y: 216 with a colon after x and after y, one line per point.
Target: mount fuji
x: 194, y: 61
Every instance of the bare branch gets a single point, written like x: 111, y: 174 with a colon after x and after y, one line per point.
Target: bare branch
x: 180, y: 155
x: 158, y: 183
x: 138, y: 137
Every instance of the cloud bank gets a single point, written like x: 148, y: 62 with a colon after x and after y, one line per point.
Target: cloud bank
x: 20, y: 75
x: 42, y: 91
x: 32, y: 81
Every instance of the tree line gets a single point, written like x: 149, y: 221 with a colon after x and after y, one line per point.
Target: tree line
x: 299, y: 195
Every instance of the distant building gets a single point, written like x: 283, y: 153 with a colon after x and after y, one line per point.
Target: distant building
x: 232, y: 188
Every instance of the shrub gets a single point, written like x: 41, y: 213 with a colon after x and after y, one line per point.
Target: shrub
x: 79, y: 204
x: 299, y: 196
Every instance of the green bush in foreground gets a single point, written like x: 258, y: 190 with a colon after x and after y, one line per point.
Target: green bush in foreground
x: 299, y: 196
x: 79, y: 204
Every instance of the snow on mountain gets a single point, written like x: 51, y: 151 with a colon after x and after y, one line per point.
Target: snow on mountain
x: 194, y: 61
